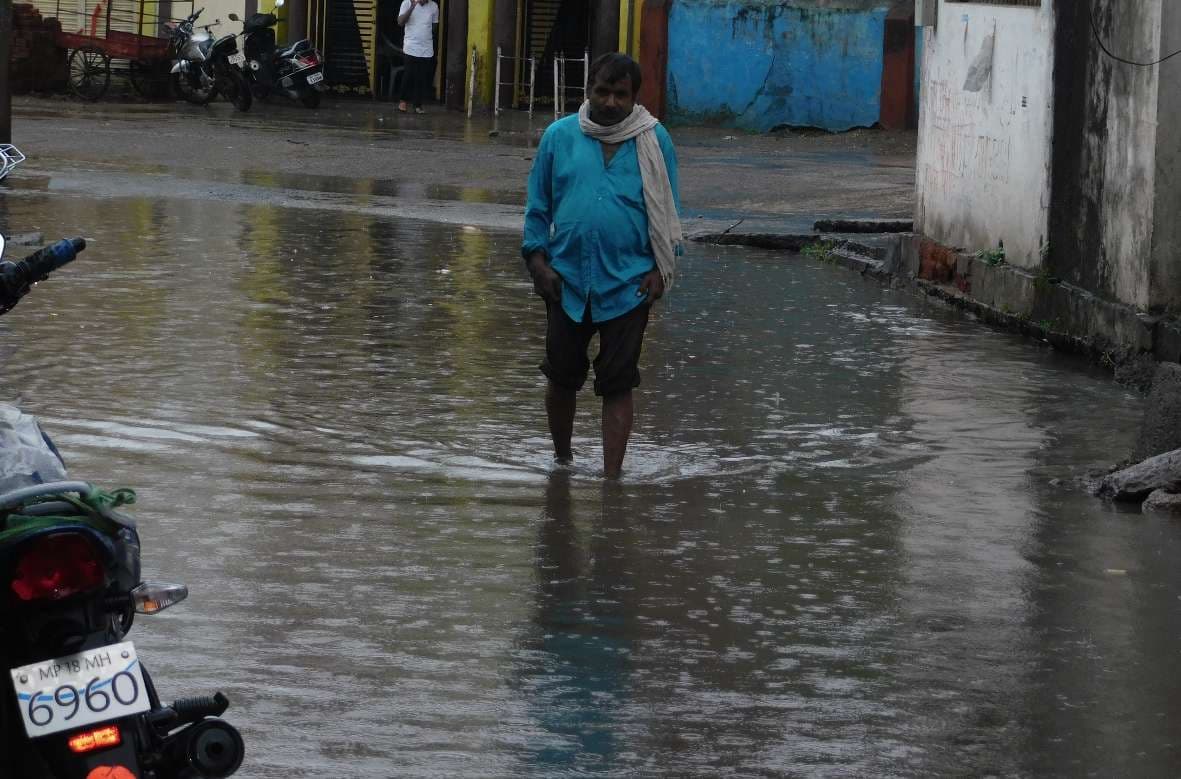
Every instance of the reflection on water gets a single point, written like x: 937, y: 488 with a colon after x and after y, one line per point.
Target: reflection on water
x: 837, y: 549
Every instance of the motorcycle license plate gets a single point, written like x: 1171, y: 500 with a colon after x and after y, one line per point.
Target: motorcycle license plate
x: 69, y: 692
x: 237, y: 59
x: 315, y: 78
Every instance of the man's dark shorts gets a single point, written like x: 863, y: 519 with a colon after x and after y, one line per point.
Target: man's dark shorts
x: 620, y: 341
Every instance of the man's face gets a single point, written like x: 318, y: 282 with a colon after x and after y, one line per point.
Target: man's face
x: 611, y: 103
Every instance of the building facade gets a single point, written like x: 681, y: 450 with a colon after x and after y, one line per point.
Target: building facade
x: 761, y: 64
x: 754, y: 64
x: 1039, y: 134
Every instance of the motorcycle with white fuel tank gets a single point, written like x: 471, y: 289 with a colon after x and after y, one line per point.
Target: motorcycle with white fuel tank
x: 202, y: 67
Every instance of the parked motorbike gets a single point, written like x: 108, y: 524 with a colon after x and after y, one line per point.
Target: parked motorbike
x: 203, y: 68
x: 77, y: 702
x: 296, y: 70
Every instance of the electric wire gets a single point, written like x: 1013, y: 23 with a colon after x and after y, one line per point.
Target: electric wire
x: 1095, y: 30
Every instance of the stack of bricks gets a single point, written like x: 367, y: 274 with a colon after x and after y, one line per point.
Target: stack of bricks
x: 38, y: 64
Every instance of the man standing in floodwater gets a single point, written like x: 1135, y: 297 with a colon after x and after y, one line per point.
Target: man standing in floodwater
x: 602, y: 236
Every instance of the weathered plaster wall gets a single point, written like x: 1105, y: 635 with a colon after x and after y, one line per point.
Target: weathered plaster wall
x: 1105, y: 161
x: 759, y: 64
x: 983, y: 167
x: 1164, y: 283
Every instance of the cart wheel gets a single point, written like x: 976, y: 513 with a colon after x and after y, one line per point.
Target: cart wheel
x: 149, y: 78
x: 90, y: 73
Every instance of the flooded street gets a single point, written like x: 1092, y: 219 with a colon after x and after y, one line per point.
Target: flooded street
x: 845, y: 544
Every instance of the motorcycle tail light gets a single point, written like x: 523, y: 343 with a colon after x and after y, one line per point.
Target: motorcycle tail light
x: 90, y: 740
x: 308, y: 60
x: 57, y: 566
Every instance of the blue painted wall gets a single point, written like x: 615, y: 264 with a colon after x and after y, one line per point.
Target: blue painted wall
x: 759, y: 65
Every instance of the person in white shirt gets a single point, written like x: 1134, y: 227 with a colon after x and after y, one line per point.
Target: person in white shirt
x: 419, y: 18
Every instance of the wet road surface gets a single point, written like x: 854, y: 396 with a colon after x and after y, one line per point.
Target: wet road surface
x: 845, y: 545
x: 368, y: 154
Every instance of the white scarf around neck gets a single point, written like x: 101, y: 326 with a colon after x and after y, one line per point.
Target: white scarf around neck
x: 664, y: 226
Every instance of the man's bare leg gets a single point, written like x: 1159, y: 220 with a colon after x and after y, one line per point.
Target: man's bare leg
x: 617, y: 428
x: 559, y: 408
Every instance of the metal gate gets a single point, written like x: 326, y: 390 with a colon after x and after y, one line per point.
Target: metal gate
x: 345, y: 31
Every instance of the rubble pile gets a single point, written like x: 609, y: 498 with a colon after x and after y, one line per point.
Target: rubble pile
x: 1156, y: 478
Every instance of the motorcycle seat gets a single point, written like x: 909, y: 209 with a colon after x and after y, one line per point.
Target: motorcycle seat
x: 258, y: 22
x: 293, y: 49
x: 226, y: 43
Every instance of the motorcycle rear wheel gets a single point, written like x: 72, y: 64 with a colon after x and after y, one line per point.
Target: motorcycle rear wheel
x: 310, y: 99
x: 187, y: 87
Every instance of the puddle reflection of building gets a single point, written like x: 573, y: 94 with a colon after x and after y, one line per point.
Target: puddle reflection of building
x: 964, y: 606
x: 1104, y: 616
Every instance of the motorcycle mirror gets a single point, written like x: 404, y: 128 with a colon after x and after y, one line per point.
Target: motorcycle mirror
x: 279, y: 3
x: 233, y: 17
x: 152, y: 597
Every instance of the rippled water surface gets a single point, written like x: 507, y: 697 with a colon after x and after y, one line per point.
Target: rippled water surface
x: 846, y: 543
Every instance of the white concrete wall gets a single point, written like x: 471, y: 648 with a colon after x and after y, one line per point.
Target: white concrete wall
x: 983, y: 168
x: 1164, y: 286
x: 1128, y: 154
x: 1114, y: 194
x: 220, y: 9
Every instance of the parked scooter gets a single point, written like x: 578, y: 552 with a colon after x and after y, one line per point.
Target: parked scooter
x: 77, y: 702
x: 203, y: 68
x: 296, y: 71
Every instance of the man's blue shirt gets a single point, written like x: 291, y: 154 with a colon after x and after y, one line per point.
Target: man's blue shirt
x: 589, y: 219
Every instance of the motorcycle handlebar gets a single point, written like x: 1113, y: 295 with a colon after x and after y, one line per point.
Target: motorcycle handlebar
x: 38, y: 265
x: 17, y: 277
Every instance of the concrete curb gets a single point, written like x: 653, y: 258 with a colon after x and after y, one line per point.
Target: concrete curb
x: 1069, y: 318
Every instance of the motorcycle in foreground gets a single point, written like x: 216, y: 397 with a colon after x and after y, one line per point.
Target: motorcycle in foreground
x: 203, y: 68
x: 296, y: 70
x: 75, y: 700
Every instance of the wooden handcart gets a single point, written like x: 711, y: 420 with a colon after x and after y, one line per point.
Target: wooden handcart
x: 121, y: 37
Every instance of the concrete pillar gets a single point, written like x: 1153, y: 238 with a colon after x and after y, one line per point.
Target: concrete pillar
x: 629, y: 27
x: 1164, y: 282
x: 5, y: 81
x: 479, y: 36
x: 296, y: 15
x: 604, y: 37
x: 898, y: 98
x: 504, y: 35
x: 1106, y: 149
x: 458, y: 53
x: 654, y: 55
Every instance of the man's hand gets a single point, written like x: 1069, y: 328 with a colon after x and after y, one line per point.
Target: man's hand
x: 546, y: 281
x: 652, y: 287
